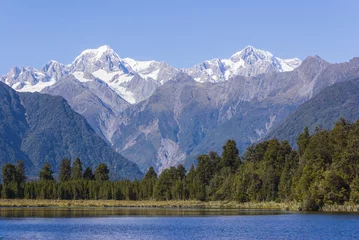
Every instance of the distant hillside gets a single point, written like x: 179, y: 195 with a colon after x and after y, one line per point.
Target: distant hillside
x: 39, y: 128
x: 339, y: 100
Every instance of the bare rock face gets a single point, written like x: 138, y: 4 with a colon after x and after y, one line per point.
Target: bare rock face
x: 134, y: 80
x: 184, y: 118
x: 39, y: 128
x: 160, y: 116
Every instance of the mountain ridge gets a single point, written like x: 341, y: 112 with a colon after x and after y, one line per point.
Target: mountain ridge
x: 39, y: 128
x: 118, y: 73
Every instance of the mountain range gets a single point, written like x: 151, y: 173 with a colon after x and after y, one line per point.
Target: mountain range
x: 157, y: 115
x: 38, y: 128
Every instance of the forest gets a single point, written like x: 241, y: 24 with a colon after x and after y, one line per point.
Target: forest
x: 323, y: 169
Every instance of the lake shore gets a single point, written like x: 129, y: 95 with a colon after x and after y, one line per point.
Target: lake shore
x: 289, y: 206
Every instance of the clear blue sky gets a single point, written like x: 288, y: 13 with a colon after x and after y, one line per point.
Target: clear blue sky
x: 181, y: 33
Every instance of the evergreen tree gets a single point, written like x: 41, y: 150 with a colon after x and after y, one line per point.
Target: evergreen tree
x: 65, y: 170
x: 88, y: 175
x: 303, y: 141
x: 20, y: 171
x: 190, y: 184
x: 9, y: 173
x: 230, y: 156
x: 77, y: 170
x: 20, y: 179
x: 46, y: 172
x: 327, y: 172
x: 148, y: 184
x: 101, y: 172
x: 180, y: 172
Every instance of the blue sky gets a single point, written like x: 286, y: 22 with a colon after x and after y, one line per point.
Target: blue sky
x: 181, y: 33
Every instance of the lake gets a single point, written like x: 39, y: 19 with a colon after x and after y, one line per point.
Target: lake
x: 151, y: 223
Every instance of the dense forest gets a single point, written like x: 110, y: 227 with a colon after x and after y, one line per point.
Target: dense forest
x: 324, y: 170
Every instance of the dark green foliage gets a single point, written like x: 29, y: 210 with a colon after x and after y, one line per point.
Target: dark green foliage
x: 325, y: 172
x: 303, y: 141
x: 323, y: 110
x: 46, y: 173
x: 14, y: 180
x: 39, y: 128
x: 8, y: 173
x: 148, y: 184
x: 65, y: 170
x: 20, y: 172
x: 76, y: 172
x: 88, y: 175
x: 230, y: 155
x: 101, y: 172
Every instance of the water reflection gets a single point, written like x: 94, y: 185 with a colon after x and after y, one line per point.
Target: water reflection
x: 49, y: 212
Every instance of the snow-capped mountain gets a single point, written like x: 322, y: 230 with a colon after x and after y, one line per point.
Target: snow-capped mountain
x: 27, y: 79
x: 175, y: 114
x: 137, y: 80
x: 158, y: 71
x: 103, y: 63
x: 132, y: 80
x: 248, y: 62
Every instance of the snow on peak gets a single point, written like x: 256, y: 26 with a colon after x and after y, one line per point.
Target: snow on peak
x: 96, y: 54
x: 104, y: 63
x: 252, y: 55
x: 158, y: 71
x: 249, y: 61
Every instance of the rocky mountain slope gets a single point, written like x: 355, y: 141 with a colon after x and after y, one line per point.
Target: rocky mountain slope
x: 39, y: 128
x: 177, y: 114
x: 184, y: 118
x: 323, y: 110
x: 137, y: 80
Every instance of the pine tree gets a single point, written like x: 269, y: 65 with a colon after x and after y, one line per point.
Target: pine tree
x: 101, y: 172
x: 88, y: 175
x: 65, y: 170
x: 46, y: 172
x: 303, y: 141
x: 230, y: 156
x: 20, y: 170
x: 77, y: 170
x: 9, y: 173
x: 180, y: 172
x: 148, y: 184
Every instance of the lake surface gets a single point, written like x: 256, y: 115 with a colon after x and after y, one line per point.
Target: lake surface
x: 134, y: 223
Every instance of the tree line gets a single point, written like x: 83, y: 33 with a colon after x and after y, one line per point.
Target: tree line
x: 323, y: 170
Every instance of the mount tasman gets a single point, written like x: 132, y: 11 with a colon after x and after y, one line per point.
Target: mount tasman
x: 158, y: 115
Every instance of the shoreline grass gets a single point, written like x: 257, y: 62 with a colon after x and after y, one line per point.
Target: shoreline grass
x: 288, y: 206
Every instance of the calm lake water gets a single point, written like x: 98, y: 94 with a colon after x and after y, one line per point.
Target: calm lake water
x: 133, y: 223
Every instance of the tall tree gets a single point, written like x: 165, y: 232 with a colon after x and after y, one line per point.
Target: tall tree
x: 88, y: 175
x: 65, y: 170
x: 230, y: 155
x: 9, y: 173
x: 101, y: 172
x: 181, y: 172
x: 150, y: 173
x: 20, y: 170
x: 303, y: 141
x: 77, y: 170
x: 148, y: 183
x: 46, y: 172
x: 10, y: 188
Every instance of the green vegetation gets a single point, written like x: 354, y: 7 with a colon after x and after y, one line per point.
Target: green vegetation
x: 322, y: 175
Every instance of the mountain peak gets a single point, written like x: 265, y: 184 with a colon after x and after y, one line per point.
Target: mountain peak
x: 97, y: 53
x: 92, y: 60
x: 251, y: 55
x: 104, y: 48
x: 313, y: 60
